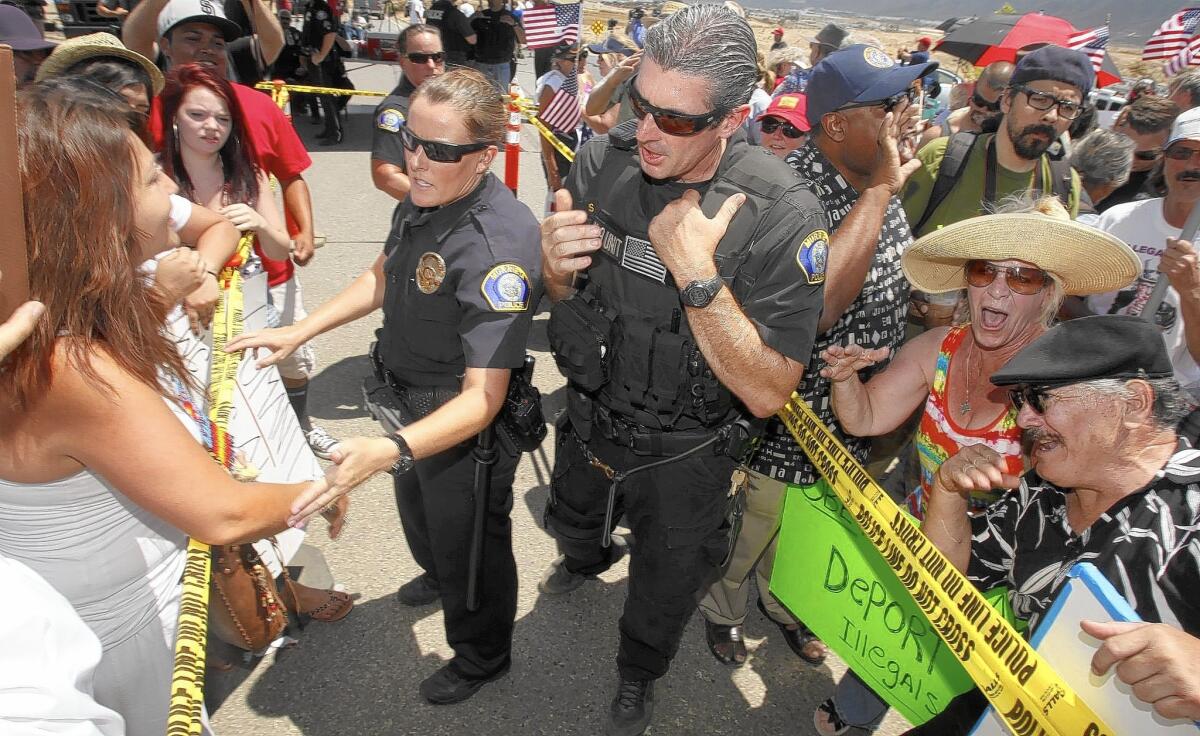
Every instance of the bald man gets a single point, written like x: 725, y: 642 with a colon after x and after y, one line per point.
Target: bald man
x: 984, y: 103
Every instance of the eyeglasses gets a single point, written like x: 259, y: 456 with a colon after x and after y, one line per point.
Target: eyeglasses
x: 889, y: 103
x: 1020, y: 279
x: 1181, y: 153
x: 1150, y: 154
x: 770, y: 125
x: 1067, y: 109
x: 1034, y: 396
x: 445, y: 153
x: 983, y: 104
x: 672, y: 123
x: 437, y: 57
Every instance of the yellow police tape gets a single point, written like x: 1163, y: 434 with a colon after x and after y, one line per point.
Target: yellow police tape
x: 187, y: 677
x: 1027, y: 694
x: 308, y: 90
x: 559, y: 146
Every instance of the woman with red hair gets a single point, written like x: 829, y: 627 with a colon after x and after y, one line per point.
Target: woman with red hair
x: 206, y: 151
x: 103, y: 475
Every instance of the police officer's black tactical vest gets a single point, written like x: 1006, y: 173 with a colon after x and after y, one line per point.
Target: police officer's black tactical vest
x: 623, y: 339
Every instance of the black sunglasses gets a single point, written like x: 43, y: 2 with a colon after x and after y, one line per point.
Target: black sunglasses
x: 445, y: 153
x: 1067, y: 109
x: 770, y: 125
x: 983, y: 104
x: 437, y: 57
x: 888, y: 103
x: 1035, y: 396
x: 669, y: 122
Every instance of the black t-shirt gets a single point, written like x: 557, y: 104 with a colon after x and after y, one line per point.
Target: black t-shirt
x: 1131, y: 190
x: 463, y: 281
x: 455, y: 28
x: 495, y: 40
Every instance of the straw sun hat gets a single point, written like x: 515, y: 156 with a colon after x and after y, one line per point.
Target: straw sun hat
x: 1083, y: 260
x: 95, y: 45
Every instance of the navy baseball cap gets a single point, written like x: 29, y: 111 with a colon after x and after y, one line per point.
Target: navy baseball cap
x: 610, y: 46
x: 18, y: 30
x: 858, y: 73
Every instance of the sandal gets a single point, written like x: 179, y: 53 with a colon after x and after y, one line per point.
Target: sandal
x: 832, y: 724
x: 799, y: 639
x: 335, y: 608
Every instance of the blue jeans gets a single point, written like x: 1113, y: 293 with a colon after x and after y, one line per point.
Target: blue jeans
x: 500, y: 74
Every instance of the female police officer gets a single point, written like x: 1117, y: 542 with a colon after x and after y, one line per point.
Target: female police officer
x: 458, y: 281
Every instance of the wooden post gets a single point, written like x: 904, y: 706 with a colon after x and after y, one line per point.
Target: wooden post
x: 14, y: 264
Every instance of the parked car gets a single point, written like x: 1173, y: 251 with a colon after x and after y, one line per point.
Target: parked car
x: 1108, y: 104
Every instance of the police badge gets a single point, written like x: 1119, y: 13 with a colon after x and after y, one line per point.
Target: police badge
x: 431, y: 270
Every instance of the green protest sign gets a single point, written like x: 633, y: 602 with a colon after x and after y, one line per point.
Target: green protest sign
x: 830, y: 577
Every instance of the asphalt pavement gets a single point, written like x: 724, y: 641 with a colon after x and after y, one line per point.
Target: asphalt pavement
x: 360, y: 675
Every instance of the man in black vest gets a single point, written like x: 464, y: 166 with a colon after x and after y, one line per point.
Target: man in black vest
x: 688, y: 284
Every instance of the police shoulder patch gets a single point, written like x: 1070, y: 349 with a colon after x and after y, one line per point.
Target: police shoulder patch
x: 390, y: 120
x: 812, y: 256
x: 506, y: 288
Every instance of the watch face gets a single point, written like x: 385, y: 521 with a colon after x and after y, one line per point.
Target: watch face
x: 695, y: 295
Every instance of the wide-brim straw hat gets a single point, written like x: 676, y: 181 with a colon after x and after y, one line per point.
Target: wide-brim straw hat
x: 1083, y: 260
x: 95, y: 45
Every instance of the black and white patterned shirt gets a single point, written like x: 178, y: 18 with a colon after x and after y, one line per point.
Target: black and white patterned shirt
x: 1147, y: 545
x: 875, y: 319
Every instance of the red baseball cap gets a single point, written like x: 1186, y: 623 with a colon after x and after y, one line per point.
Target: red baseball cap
x: 778, y: 31
x: 924, y: 42
x: 792, y: 108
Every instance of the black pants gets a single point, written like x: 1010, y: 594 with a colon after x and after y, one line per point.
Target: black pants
x: 436, y: 501
x: 325, y: 75
x: 542, y: 59
x: 677, y: 515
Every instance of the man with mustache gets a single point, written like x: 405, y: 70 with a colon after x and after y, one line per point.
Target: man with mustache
x: 1044, y: 94
x: 1146, y: 121
x: 1152, y: 228
x: 1114, y: 482
x: 982, y: 108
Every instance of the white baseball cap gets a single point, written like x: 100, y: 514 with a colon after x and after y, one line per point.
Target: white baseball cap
x: 178, y: 12
x: 1186, y: 127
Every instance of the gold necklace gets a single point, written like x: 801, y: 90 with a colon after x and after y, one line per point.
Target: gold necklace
x: 965, y: 407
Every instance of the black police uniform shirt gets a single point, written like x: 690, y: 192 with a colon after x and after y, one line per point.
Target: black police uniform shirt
x: 495, y: 40
x: 288, y: 63
x: 318, y: 23
x: 875, y: 319
x: 784, y: 268
x: 390, y: 115
x: 463, y: 281
x: 455, y: 28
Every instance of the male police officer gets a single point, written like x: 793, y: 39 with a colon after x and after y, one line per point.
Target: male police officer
x: 421, y: 58
x: 689, y: 285
x: 320, y: 38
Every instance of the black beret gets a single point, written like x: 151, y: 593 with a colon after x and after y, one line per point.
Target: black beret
x: 1058, y: 64
x: 1088, y: 349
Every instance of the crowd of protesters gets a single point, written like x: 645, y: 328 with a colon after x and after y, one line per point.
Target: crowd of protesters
x: 974, y: 305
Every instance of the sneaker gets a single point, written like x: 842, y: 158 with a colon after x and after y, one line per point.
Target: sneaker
x: 631, y: 709
x: 420, y: 591
x: 558, y: 580
x: 446, y: 687
x: 320, y: 442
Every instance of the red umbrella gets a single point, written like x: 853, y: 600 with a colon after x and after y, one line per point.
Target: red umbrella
x: 999, y: 37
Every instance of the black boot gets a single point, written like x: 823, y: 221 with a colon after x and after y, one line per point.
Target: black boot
x: 631, y: 709
x: 331, y: 138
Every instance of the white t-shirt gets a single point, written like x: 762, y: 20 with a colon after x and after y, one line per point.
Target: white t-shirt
x: 760, y: 100
x: 1142, y: 225
x: 416, y: 12
x: 552, y: 79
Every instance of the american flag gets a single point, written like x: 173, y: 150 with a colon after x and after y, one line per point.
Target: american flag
x: 1189, y: 55
x: 1092, y: 43
x: 546, y: 26
x: 563, y: 113
x: 1172, y: 37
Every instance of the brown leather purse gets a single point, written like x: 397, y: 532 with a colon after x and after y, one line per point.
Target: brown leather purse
x: 245, y: 608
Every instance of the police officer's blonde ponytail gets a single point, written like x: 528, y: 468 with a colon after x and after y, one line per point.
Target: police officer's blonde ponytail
x: 474, y: 96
